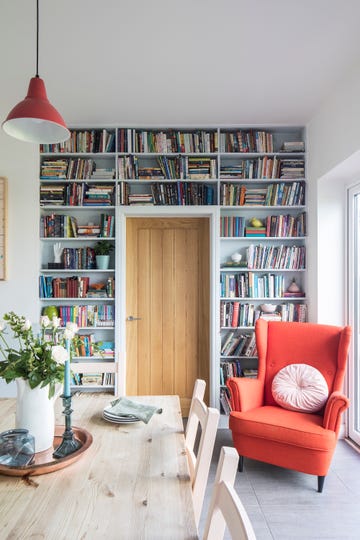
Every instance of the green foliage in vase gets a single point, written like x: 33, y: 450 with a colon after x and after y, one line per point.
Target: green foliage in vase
x: 38, y: 358
x: 103, y: 247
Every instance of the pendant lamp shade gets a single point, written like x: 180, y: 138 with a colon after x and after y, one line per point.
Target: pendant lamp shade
x: 34, y: 119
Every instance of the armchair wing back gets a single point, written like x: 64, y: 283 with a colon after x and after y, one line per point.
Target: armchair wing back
x: 321, y: 346
x: 265, y: 431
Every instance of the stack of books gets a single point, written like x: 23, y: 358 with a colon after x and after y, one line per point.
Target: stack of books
x: 99, y: 195
x: 54, y: 169
x: 293, y: 146
x: 103, y: 174
x: 255, y: 231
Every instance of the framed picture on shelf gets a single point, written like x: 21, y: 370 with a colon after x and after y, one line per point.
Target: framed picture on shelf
x: 3, y: 226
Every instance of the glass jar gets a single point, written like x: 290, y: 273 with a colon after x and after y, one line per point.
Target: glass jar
x: 17, y: 448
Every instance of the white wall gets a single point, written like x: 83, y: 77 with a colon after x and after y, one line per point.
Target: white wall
x: 19, y: 163
x: 334, y: 163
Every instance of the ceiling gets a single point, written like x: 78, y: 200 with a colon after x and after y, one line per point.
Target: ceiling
x: 183, y: 62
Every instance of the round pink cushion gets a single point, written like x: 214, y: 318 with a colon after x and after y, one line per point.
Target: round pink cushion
x: 300, y: 387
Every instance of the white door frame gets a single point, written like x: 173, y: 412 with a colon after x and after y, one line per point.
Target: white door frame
x: 353, y: 247
x: 211, y: 212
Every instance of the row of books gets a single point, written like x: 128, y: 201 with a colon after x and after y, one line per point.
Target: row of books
x: 65, y: 226
x: 75, y: 287
x: 235, y: 344
x: 284, y: 194
x: 85, y: 346
x: 169, y: 168
x: 89, y: 347
x: 172, y: 194
x: 235, y: 314
x: 57, y: 287
x: 288, y: 225
x: 84, y: 141
x: 179, y: 167
x: 182, y: 193
x: 281, y: 226
x: 74, y: 169
x: 92, y: 315
x: 266, y: 168
x: 283, y: 257
x: 81, y: 258
x: 225, y: 404
x: 76, y: 194
x: 251, y: 285
x: 93, y: 379
x: 167, y: 141
x: 230, y: 369
x: 170, y: 140
x: 279, y: 194
x: 246, y: 141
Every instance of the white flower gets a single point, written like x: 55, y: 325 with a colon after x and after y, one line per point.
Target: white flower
x: 70, y: 330
x: 2, y: 325
x: 56, y: 321
x: 26, y: 326
x: 73, y: 327
x: 59, y: 354
x: 68, y: 334
x: 44, y: 321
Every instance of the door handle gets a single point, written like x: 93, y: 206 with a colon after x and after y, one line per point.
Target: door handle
x: 131, y: 318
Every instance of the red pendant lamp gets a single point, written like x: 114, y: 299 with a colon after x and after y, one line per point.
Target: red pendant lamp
x: 34, y: 119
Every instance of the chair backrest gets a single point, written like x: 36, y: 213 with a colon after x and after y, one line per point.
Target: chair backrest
x: 322, y: 346
x: 199, y: 459
x: 225, y: 505
x: 198, y: 392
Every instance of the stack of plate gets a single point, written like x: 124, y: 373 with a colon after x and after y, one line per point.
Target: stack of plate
x: 117, y: 419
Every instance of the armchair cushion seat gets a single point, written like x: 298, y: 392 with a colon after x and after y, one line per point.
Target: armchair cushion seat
x: 283, y: 426
x: 284, y: 438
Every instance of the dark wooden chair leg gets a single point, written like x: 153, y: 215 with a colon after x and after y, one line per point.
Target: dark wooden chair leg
x: 321, y: 480
x: 241, y: 464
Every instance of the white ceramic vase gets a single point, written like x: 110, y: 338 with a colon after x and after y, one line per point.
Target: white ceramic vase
x: 35, y: 412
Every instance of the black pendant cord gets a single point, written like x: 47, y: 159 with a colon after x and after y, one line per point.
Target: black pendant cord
x: 37, y: 38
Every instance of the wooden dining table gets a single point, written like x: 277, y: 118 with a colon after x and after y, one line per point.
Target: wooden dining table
x: 132, y: 483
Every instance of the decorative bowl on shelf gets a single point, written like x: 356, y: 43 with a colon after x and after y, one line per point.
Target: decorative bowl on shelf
x: 268, y: 308
x: 236, y: 257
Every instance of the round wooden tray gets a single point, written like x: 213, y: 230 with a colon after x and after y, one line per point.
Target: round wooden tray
x: 44, y: 462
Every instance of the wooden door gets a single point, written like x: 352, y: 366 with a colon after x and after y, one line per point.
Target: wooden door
x: 167, y: 294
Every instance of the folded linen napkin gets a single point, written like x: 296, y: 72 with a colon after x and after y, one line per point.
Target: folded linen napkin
x: 126, y: 407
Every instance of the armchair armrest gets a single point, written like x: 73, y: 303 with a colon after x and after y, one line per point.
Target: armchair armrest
x: 245, y: 394
x: 335, y: 406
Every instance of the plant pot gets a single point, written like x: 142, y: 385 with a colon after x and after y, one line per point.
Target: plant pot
x: 35, y: 412
x: 102, y: 262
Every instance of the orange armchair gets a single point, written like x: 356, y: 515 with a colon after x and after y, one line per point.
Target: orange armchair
x: 263, y: 430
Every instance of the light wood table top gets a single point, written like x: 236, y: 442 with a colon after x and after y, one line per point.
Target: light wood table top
x: 131, y: 484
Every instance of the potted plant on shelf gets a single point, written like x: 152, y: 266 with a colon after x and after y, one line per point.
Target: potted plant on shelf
x: 102, y: 249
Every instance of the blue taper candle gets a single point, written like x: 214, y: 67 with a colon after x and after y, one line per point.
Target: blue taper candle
x: 67, y: 371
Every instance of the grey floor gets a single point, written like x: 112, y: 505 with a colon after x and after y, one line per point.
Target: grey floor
x: 285, y: 505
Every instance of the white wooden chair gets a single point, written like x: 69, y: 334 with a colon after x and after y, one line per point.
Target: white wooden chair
x: 199, y: 392
x: 225, y: 507
x: 199, y: 463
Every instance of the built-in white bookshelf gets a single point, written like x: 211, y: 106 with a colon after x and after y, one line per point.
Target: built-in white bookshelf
x: 244, y: 173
